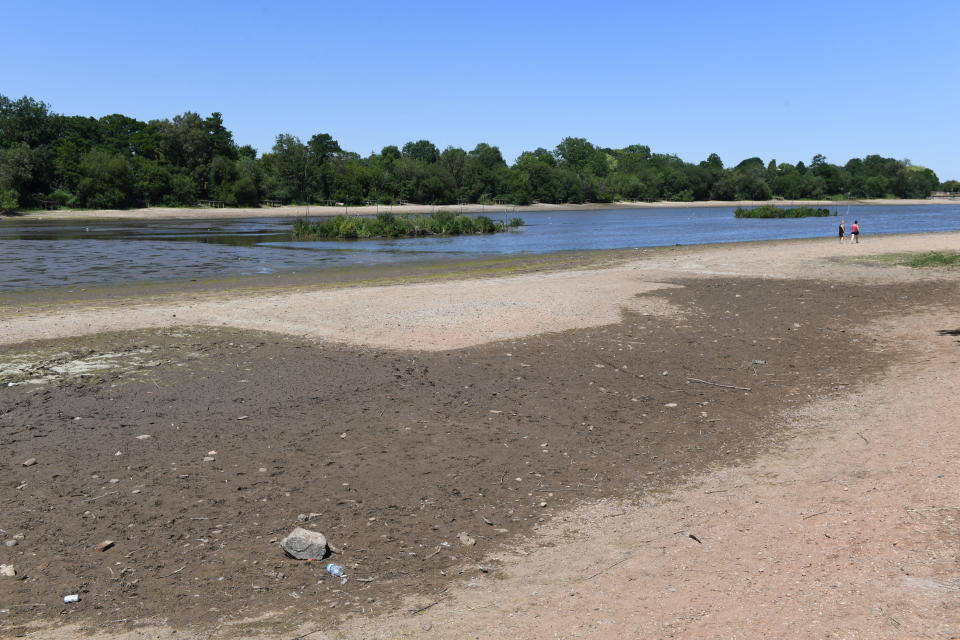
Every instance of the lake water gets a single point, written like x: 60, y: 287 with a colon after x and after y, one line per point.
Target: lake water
x: 36, y: 254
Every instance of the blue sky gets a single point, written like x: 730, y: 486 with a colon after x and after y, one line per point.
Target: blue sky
x: 779, y: 80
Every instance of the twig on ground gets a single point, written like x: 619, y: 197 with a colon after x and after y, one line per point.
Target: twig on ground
x: 618, y: 562
x: 435, y: 602
x: 717, y: 384
x: 439, y: 547
x: 864, y: 437
x: 818, y: 513
x: 175, y: 572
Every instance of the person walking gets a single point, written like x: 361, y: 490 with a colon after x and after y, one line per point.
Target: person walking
x: 842, y: 231
x: 855, y: 231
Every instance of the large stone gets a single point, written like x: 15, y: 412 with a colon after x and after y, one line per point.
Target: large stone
x: 304, y: 544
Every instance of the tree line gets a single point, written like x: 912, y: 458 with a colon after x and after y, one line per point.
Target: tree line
x: 121, y: 162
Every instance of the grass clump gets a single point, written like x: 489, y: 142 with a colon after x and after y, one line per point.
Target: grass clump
x: 934, y: 259
x: 387, y: 225
x: 770, y: 211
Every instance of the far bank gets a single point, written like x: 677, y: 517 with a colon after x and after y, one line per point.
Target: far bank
x: 161, y: 213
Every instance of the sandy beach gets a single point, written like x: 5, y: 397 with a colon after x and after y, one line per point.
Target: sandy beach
x: 160, y: 213
x: 753, y: 440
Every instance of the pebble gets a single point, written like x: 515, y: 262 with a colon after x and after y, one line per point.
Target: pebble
x: 208, y: 458
x: 466, y: 540
x: 10, y: 543
x: 29, y: 462
x: 8, y: 571
x: 670, y: 404
x: 103, y: 546
x: 144, y: 436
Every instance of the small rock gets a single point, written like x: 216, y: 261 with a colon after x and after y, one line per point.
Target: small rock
x: 670, y: 404
x: 73, y: 597
x: 304, y: 544
x: 211, y: 453
x: 10, y: 543
x: 103, y: 546
x: 29, y: 462
x: 114, y: 480
x: 307, y: 517
x: 8, y: 571
x: 465, y: 539
x: 208, y: 458
x: 543, y: 504
x: 144, y: 436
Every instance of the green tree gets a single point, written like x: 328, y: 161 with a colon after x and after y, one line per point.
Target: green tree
x: 422, y: 150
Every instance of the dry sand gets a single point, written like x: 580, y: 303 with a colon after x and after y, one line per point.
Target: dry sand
x: 850, y: 530
x: 157, y: 213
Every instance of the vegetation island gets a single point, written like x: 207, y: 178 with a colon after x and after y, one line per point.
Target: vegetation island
x: 770, y: 211
x: 387, y: 225
x: 117, y: 162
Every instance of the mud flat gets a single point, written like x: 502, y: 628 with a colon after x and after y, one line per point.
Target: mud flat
x: 736, y: 441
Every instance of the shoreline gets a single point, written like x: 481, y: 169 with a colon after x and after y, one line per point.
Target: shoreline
x: 622, y: 454
x: 187, y: 213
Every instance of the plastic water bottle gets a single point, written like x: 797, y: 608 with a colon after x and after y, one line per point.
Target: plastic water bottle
x: 337, y: 571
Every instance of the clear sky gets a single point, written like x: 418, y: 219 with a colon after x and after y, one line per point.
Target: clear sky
x: 779, y: 80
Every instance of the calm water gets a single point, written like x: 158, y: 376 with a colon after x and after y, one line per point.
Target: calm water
x: 38, y: 254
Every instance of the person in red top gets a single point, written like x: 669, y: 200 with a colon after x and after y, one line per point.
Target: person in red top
x: 855, y: 231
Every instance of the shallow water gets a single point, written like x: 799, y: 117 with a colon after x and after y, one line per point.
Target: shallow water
x: 37, y: 253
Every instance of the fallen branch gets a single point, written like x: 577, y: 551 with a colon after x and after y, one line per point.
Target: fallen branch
x: 717, y: 384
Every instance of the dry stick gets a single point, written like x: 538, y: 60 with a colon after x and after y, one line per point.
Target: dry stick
x: 819, y: 513
x: 439, y: 547
x: 864, y: 437
x: 438, y: 601
x: 422, y: 609
x: 621, y: 561
x: 175, y: 572
x: 717, y: 384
